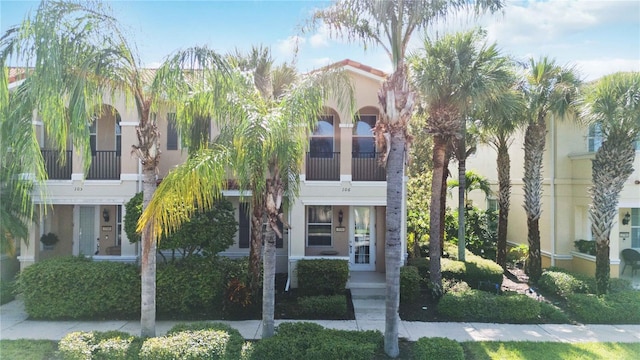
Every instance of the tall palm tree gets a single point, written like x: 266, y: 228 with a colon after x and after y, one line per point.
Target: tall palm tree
x: 473, y: 181
x: 390, y: 25
x: 453, y: 73
x: 613, y: 103
x: 550, y: 90
x: 78, y: 50
x: 499, y: 119
x: 267, y: 137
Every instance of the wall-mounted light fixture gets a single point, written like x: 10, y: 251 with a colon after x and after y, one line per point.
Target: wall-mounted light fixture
x: 105, y: 215
x: 340, y: 216
x: 626, y: 218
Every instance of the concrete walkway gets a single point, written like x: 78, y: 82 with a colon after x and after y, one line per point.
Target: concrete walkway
x: 14, y: 325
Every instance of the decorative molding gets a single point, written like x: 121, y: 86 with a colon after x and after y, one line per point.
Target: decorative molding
x: 344, y: 202
x: 129, y: 177
x: 345, y: 177
x: 129, y: 123
x: 343, y: 125
x: 77, y: 176
x: 237, y: 193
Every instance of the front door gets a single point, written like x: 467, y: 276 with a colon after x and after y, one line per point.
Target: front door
x: 87, y: 242
x: 362, y: 247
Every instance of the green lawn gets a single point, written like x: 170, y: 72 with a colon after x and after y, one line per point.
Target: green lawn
x: 46, y: 349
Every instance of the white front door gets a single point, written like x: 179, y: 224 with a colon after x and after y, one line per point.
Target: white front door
x: 87, y: 234
x: 362, y: 243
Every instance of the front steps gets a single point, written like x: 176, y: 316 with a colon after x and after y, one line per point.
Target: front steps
x: 368, y: 292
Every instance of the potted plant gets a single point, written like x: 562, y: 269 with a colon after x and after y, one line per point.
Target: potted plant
x: 48, y: 240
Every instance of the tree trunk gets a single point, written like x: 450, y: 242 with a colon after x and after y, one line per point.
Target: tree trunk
x: 435, y: 224
x: 269, y: 284
x: 534, y: 143
x: 504, y: 199
x: 148, y: 262
x: 255, y: 252
x: 611, y: 168
x: 393, y: 244
x: 462, y: 162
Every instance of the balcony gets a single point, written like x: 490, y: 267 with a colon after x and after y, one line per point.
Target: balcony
x: 323, y: 166
x: 105, y: 165
x: 55, y: 169
x: 365, y: 166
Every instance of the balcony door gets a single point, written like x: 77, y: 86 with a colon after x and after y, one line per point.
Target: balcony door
x: 362, y: 244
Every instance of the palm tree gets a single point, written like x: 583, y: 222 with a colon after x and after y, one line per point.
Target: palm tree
x: 266, y: 139
x: 473, y: 181
x: 613, y: 103
x: 550, y: 90
x: 390, y: 25
x: 499, y: 119
x: 451, y: 74
x: 78, y: 50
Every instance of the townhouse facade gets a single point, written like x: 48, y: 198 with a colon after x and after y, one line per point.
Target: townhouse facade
x: 339, y: 213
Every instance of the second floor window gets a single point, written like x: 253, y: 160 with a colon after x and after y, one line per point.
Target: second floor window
x: 595, y: 138
x: 118, y: 131
x: 172, y: 132
x: 321, y: 141
x: 363, y: 141
x: 93, y: 135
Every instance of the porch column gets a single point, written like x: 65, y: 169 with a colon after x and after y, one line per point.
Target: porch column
x: 30, y: 249
x: 126, y: 248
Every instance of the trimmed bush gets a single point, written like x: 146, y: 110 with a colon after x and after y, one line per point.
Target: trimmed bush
x: 312, y: 342
x: 615, y: 308
x: 75, y: 287
x: 234, y: 347
x: 330, y: 307
x: 437, y: 348
x: 323, y: 276
x: 552, y: 315
x: 7, y: 289
x: 474, y: 271
x: 99, y: 345
x: 562, y: 283
x: 409, y: 285
x: 480, y: 306
x: 422, y: 264
x: 196, y: 344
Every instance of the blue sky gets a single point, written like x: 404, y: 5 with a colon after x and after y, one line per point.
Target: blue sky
x: 597, y: 36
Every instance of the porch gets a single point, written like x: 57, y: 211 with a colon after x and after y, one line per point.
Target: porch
x: 105, y: 165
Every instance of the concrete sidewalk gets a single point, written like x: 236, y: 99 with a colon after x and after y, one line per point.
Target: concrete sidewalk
x: 14, y: 325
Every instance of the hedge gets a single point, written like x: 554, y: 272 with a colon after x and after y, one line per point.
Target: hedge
x: 75, y: 287
x: 328, y: 307
x: 311, y: 341
x: 7, y: 289
x: 322, y: 276
x: 99, y: 345
x: 562, y: 283
x: 480, y: 306
x: 437, y: 348
x: 409, y: 284
x: 615, y: 308
x: 474, y: 271
x: 234, y: 345
x: 187, y: 345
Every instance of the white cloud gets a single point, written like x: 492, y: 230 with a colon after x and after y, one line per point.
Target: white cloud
x: 319, y: 62
x: 596, y: 68
x: 289, y: 46
x: 321, y: 37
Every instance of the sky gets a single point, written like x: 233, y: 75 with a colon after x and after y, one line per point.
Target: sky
x: 598, y: 37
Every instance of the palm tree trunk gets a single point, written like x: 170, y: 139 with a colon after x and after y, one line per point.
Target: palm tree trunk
x: 462, y: 162
x: 534, y: 143
x: 393, y: 244
x: 255, y: 252
x: 504, y: 199
x: 148, y: 262
x: 435, y: 211
x: 269, y: 284
x: 611, y: 168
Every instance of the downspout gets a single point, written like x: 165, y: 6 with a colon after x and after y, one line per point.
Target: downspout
x: 553, y: 190
x: 286, y: 287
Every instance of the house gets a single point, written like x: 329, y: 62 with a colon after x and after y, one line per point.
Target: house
x: 339, y: 214
x: 565, y: 197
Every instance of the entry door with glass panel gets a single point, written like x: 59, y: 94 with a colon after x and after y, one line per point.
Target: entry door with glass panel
x: 87, y: 230
x: 362, y: 249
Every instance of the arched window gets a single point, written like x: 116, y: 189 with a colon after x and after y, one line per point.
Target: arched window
x: 321, y: 142
x: 363, y: 140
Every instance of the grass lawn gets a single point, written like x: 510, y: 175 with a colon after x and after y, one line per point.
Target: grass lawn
x: 46, y: 350
x: 550, y: 351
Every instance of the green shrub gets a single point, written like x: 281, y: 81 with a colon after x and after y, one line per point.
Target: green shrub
x: 480, y: 306
x: 474, y: 271
x: 453, y: 285
x: 99, y: 345
x: 7, y: 289
x: 562, y: 283
x: 618, y: 285
x: 196, y: 344
x: 75, y: 287
x: 312, y: 342
x: 586, y: 246
x: 234, y: 347
x: 615, y: 308
x: 322, y: 277
x: 192, y: 286
x: 437, y: 348
x: 322, y: 307
x: 552, y: 315
x: 422, y: 264
x: 409, y: 285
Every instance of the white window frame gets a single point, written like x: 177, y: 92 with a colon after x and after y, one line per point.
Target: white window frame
x: 308, y: 224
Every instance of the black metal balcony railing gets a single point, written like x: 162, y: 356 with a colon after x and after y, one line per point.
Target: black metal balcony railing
x: 365, y: 166
x: 324, y: 166
x: 55, y: 169
x: 105, y: 165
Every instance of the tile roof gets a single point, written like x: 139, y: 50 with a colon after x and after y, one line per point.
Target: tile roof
x: 360, y: 66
